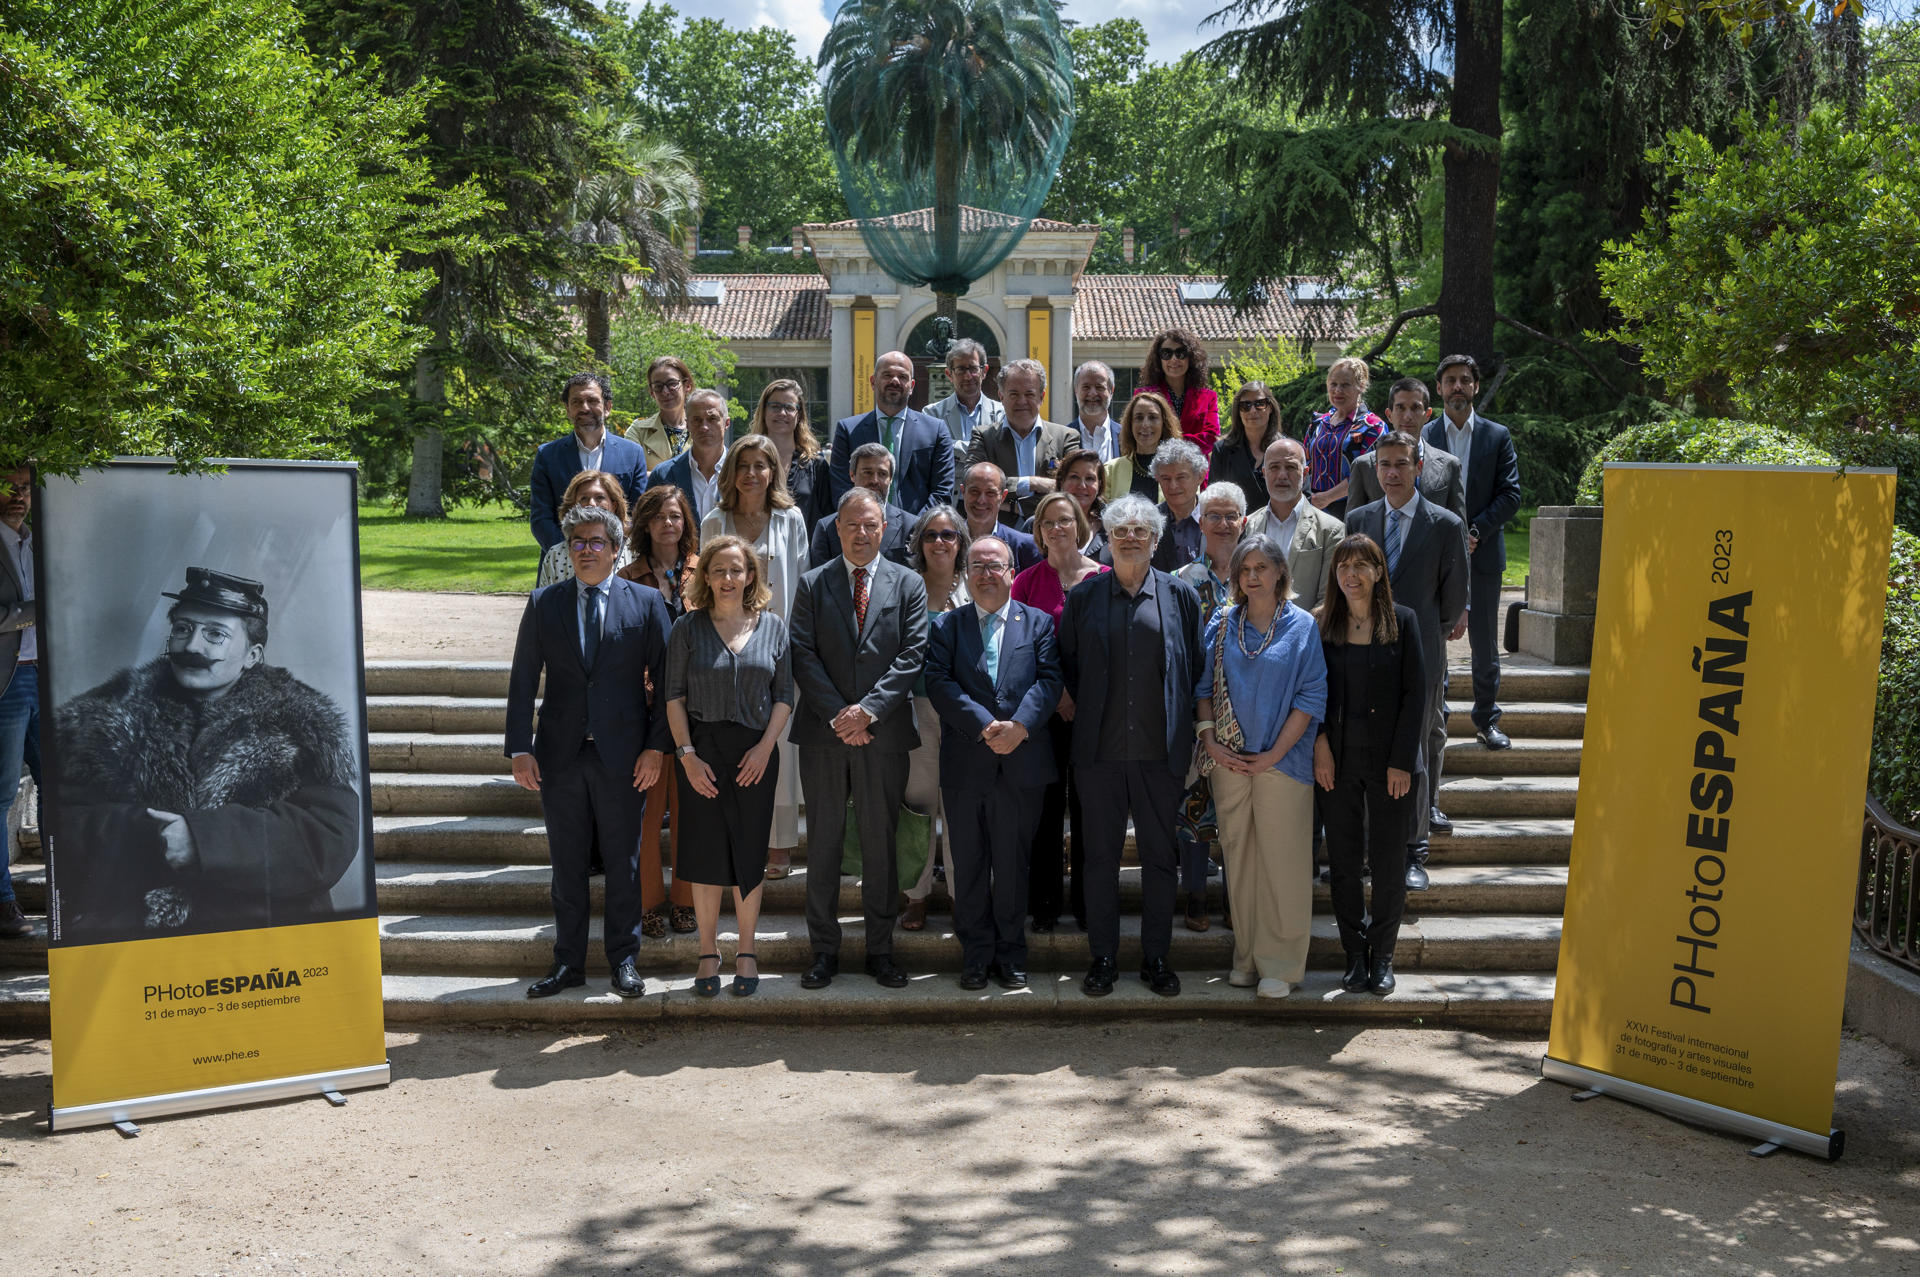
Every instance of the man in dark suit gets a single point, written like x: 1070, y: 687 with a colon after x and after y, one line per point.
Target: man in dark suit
x: 602, y: 642
x: 1492, y: 481
x: 589, y: 447
x: 982, y: 501
x: 993, y: 675
x: 1408, y: 412
x: 920, y: 445
x: 872, y: 470
x: 696, y: 472
x: 1426, y: 566
x: 1026, y: 449
x: 1130, y: 651
x: 859, y: 640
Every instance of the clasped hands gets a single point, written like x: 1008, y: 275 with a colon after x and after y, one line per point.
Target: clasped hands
x: 851, y: 725
x: 1243, y: 764
x: 1003, y: 737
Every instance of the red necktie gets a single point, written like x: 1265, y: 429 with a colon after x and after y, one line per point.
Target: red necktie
x: 859, y: 600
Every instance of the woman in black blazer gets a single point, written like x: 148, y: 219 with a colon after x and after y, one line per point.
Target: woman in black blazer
x: 1253, y: 423
x: 1368, y: 753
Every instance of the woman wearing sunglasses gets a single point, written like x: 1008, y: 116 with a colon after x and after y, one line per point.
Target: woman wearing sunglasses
x: 1252, y: 423
x: 937, y: 549
x: 1177, y: 367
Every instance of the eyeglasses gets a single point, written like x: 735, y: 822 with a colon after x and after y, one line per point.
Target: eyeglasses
x: 1131, y: 533
x: 662, y: 386
x: 1217, y: 516
x: 1173, y: 352
x: 581, y: 546
x: 784, y: 409
x: 940, y: 534
x: 986, y: 567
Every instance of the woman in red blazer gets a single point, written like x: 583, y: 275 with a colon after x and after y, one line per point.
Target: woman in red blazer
x: 1177, y: 367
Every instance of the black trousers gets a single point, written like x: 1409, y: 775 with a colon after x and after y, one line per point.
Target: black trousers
x: 1364, y: 826
x: 877, y: 782
x: 585, y: 801
x: 991, y: 834
x: 1484, y: 625
x: 1056, y: 843
x: 1151, y: 794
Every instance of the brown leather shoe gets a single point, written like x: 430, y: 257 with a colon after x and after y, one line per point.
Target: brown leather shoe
x: 1197, y: 919
x: 914, y: 916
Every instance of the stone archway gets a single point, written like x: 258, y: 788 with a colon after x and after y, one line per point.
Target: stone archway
x: 929, y: 380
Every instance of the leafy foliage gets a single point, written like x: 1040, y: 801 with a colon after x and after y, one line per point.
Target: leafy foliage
x: 200, y: 233
x: 1696, y: 441
x: 1901, y: 452
x: 1894, y: 773
x: 639, y: 337
x: 1274, y: 362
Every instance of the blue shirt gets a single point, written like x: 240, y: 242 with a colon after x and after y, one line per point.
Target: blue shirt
x: 1290, y: 674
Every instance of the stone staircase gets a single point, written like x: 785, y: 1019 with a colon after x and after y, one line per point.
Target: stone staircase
x: 465, y: 920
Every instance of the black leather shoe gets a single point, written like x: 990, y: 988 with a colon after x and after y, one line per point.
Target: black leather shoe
x: 1380, y: 976
x: 1160, y: 977
x: 1355, y: 980
x: 1439, y: 822
x: 1494, y: 738
x: 626, y: 980
x: 885, y: 973
x: 1100, y: 977
x: 821, y: 973
x: 561, y: 977
x: 973, y: 979
x: 1326, y: 874
x: 1044, y: 926
x: 1007, y: 977
x: 1416, y: 876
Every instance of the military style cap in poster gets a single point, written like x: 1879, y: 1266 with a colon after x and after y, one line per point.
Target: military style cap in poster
x: 1703, y: 962
x: 213, y: 937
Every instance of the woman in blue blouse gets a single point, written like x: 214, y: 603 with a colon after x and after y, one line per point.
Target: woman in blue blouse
x: 1261, y: 692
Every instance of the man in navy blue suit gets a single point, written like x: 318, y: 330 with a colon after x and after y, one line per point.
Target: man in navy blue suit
x: 589, y: 447
x: 993, y: 675
x: 1490, y: 472
x: 696, y: 470
x: 921, y: 446
x: 602, y: 642
x: 983, y: 491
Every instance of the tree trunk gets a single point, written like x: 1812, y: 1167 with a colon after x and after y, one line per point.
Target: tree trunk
x: 429, y: 398
x: 599, y: 308
x: 1472, y: 186
x: 946, y: 198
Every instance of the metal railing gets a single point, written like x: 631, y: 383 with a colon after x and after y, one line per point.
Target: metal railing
x: 1886, y: 906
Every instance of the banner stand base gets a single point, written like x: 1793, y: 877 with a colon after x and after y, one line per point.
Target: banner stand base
x: 121, y: 1113
x: 1775, y: 1136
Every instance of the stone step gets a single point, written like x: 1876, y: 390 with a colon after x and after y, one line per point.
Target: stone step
x: 1508, y: 796
x: 1466, y: 756
x: 523, y: 945
x: 1505, y: 842
x: 1518, y: 1001
x: 489, y: 679
x: 1535, y: 720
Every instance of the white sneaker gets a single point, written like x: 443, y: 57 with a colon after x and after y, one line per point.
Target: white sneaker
x: 1271, y: 988
x: 1242, y: 979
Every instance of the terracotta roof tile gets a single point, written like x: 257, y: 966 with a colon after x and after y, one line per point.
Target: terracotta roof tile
x: 969, y: 221
x: 763, y: 307
x: 1135, y: 307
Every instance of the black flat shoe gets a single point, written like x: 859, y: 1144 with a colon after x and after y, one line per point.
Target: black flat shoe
x: 821, y: 973
x: 708, y: 986
x: 626, y: 980
x: 1355, y: 980
x: 561, y: 977
x: 885, y: 973
x: 1159, y: 977
x: 1438, y: 821
x: 1100, y: 978
x: 973, y: 979
x: 1380, y: 976
x: 744, y: 986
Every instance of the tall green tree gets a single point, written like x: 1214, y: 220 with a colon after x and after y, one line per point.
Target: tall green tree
x: 200, y: 233
x: 643, y: 210
x: 505, y: 82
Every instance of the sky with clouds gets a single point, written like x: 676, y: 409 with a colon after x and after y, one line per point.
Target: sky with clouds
x: 1172, y: 27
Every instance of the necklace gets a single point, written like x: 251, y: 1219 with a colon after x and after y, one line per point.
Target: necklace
x: 1240, y: 631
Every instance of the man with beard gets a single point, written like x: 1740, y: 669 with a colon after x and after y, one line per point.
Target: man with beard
x: 205, y: 790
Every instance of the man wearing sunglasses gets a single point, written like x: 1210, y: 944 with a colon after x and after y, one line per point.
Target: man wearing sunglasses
x: 601, y: 641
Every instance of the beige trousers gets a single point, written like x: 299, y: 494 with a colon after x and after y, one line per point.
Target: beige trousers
x: 1266, y: 833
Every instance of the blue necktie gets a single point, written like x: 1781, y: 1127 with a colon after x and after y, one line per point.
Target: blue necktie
x: 1393, y: 541
x: 592, y: 636
x: 990, y: 635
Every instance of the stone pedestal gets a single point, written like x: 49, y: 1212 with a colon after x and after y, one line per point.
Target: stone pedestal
x: 1563, y: 579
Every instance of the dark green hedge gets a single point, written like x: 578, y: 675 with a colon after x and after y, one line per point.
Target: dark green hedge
x: 1901, y: 452
x: 1895, y: 773
x: 1703, y: 441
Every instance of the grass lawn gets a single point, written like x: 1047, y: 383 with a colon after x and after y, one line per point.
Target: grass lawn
x: 1517, y: 539
x: 477, y: 549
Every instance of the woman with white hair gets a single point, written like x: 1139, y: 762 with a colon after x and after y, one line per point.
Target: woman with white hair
x: 1178, y: 468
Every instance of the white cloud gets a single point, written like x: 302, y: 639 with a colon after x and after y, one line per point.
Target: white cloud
x: 1172, y: 27
x: 807, y: 20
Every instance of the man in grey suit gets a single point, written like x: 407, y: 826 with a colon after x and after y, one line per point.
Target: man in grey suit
x: 1408, y: 411
x: 967, y: 410
x: 859, y: 637
x: 1027, y: 449
x: 1308, y: 532
x: 1427, y: 568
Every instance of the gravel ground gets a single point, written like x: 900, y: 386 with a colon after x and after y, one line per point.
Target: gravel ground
x: 1006, y: 1149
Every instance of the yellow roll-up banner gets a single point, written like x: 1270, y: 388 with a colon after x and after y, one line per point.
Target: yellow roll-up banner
x: 1703, y: 960
x: 864, y: 356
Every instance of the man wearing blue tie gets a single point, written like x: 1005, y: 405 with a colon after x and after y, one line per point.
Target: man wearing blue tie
x: 993, y: 674
x: 921, y: 446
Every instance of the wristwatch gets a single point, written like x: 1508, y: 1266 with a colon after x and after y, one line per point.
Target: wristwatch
x: 683, y: 751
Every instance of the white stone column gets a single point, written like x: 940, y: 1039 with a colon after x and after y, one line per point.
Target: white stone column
x: 840, y: 363
x: 1016, y: 347
x: 1060, y: 385
x: 886, y: 324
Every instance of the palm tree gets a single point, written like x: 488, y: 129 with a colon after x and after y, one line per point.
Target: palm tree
x: 640, y: 213
x: 960, y: 89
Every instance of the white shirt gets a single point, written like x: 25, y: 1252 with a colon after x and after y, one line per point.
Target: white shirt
x: 1460, y: 443
x: 1282, y: 532
x: 19, y: 548
x: 706, y: 492
x: 590, y: 457
x: 1103, y: 440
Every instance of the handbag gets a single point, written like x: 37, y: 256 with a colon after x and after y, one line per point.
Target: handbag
x: 1226, y: 728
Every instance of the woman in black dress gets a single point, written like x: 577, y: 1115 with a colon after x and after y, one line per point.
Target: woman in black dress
x: 729, y: 693
x: 1368, y: 754
x: 782, y: 416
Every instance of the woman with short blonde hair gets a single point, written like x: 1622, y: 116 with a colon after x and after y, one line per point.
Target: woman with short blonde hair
x: 1343, y: 432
